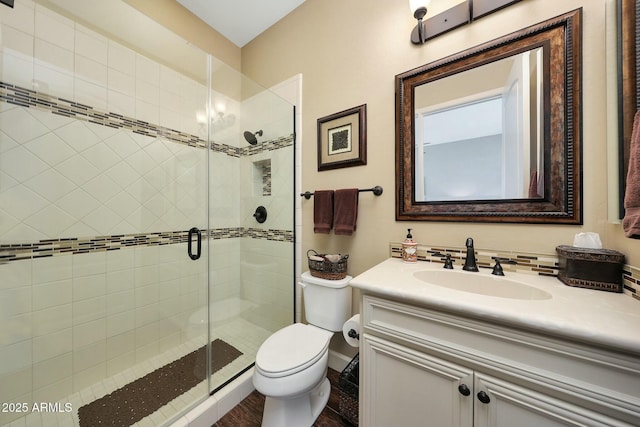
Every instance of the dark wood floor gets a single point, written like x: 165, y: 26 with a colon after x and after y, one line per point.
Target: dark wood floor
x: 248, y: 413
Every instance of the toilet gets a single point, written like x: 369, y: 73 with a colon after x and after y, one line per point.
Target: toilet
x: 291, y: 365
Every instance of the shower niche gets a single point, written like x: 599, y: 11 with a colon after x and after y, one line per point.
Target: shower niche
x: 262, y: 177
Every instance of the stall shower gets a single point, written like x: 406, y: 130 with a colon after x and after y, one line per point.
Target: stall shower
x: 133, y: 273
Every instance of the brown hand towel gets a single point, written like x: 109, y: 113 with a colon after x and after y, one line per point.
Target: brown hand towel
x: 345, y: 211
x: 322, y: 211
x: 631, y: 221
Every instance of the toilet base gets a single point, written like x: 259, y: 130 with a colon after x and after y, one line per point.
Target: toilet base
x: 300, y: 411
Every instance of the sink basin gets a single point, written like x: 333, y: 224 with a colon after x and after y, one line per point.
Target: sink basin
x: 477, y: 283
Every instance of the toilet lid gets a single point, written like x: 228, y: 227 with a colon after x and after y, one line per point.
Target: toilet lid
x: 292, y: 349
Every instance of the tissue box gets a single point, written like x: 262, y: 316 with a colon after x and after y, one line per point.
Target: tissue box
x: 599, y: 269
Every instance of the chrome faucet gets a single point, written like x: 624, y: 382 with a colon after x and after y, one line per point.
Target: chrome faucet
x: 470, y: 260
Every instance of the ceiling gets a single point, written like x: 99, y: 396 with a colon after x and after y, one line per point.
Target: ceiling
x: 240, y: 20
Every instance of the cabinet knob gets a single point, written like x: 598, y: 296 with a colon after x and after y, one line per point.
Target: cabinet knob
x: 483, y: 397
x: 464, y: 390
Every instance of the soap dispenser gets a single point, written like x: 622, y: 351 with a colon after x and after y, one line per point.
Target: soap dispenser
x: 409, y: 249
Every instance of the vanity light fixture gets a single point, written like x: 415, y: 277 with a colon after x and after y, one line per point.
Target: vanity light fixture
x: 460, y: 14
x: 419, y: 10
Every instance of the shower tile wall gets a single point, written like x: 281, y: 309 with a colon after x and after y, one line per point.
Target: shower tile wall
x: 267, y: 251
x: 65, y: 177
x: 47, y: 52
x: 69, y: 320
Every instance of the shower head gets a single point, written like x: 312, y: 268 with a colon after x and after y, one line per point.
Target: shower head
x: 251, y: 137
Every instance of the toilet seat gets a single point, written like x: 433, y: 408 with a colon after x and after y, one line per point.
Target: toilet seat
x: 291, y: 350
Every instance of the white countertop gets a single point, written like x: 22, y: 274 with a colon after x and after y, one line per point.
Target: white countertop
x: 589, y: 316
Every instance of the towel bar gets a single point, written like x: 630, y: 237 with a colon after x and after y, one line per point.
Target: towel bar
x: 377, y: 190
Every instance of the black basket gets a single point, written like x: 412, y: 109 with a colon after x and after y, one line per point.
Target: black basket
x: 348, y: 387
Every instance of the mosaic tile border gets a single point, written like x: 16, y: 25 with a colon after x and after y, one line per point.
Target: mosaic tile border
x: 270, y: 145
x: 631, y: 281
x: 76, y: 246
x: 522, y: 262
x: 266, y: 179
x: 544, y: 265
x: 269, y: 234
x: 28, y: 98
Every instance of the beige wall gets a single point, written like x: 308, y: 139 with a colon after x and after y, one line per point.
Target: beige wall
x: 349, y: 53
x: 178, y: 19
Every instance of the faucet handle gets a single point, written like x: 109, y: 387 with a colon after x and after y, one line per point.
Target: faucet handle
x: 497, y: 269
x: 448, y: 263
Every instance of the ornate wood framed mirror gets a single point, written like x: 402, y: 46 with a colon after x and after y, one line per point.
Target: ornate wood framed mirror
x: 493, y: 134
x: 628, y: 94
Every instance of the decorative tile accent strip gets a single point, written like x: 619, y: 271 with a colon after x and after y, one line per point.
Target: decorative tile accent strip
x: 271, y: 145
x: 270, y: 234
x: 226, y: 233
x: 225, y: 149
x: 28, y: 98
x: 266, y: 179
x: 544, y: 265
x: 31, y: 99
x: 631, y: 281
x: 74, y: 245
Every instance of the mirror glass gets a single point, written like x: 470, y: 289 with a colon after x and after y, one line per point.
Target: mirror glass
x: 494, y: 133
x: 478, y: 133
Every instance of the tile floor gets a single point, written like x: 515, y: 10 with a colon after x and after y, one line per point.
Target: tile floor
x: 244, y: 335
x: 249, y: 412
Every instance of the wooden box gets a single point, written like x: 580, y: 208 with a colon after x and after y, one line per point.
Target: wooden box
x: 599, y: 269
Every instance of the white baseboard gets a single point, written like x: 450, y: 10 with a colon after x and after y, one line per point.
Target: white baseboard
x: 338, y: 361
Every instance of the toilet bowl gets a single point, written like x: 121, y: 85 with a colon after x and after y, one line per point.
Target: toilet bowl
x: 292, y: 361
x: 291, y: 365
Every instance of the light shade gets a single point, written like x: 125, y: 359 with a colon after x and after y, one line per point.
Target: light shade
x: 416, y: 4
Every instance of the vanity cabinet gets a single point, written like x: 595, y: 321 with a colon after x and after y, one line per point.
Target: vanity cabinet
x: 410, y: 388
x: 422, y: 367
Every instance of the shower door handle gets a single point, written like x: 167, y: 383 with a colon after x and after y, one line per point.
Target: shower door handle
x: 197, y: 232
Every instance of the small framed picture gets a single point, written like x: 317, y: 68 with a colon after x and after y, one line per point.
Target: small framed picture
x: 342, y: 139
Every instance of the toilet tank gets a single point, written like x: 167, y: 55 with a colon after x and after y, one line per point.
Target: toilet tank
x: 327, y: 303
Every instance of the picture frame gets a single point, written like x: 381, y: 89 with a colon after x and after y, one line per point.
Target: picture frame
x: 342, y: 139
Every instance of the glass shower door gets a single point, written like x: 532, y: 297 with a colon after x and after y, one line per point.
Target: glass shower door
x: 252, y: 218
x: 103, y: 177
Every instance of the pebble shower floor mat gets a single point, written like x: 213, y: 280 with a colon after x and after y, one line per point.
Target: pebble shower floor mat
x: 142, y: 397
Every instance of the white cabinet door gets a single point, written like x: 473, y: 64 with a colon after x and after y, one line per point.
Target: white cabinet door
x: 506, y: 405
x: 403, y: 387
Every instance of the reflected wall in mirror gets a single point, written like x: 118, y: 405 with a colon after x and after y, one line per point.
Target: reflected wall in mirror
x: 479, y: 133
x: 493, y: 133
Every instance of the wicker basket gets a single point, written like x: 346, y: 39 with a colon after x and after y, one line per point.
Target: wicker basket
x: 348, y: 388
x: 326, y: 269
